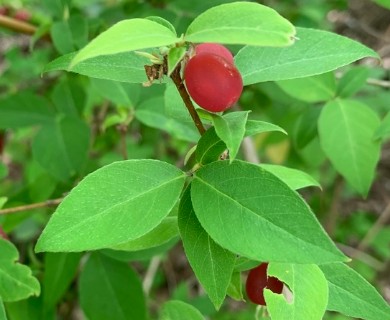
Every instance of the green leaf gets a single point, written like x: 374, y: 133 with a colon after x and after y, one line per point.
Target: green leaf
x: 3, y: 316
x: 309, y: 289
x: 346, y: 128
x: 60, y: 270
x: 174, y: 105
x: 209, y: 148
x: 24, y: 109
x: 68, y: 97
x: 352, y: 295
x: 235, y: 287
x: 62, y: 37
x: 306, y: 127
x: 174, y: 310
x: 241, y: 23
x: 151, y: 113
x: 311, y: 89
x: 175, y: 55
x: 383, y: 3
x: 29, y: 309
x: 3, y: 171
x: 163, y: 233
x: 61, y: 148
x: 122, y: 94
x: 250, y: 212
x: 16, y: 280
x: 124, y: 67
x: 231, y: 129
x: 117, y: 203
x: 212, y: 265
x: 110, y: 289
x: 315, y: 52
x: 163, y: 22
x: 352, y: 81
x: 383, y: 132
x: 127, y: 35
x: 255, y: 127
x: 295, y: 179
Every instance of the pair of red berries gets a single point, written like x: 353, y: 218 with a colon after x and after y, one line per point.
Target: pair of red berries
x: 211, y: 78
x: 258, y: 280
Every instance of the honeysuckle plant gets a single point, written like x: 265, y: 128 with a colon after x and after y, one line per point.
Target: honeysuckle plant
x: 231, y: 215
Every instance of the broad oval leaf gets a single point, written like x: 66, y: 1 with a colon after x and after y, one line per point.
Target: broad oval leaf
x: 16, y: 280
x: 117, y: 203
x: 127, y: 35
x: 24, y: 109
x: 123, y: 67
x: 383, y: 132
x: 251, y: 212
x: 241, y: 23
x: 61, y: 147
x: 295, y: 179
x: 352, y: 295
x: 309, y: 288
x: 315, y: 52
x: 346, y: 130
x: 175, y: 309
x: 60, y: 270
x: 352, y: 81
x: 212, y: 265
x: 110, y: 289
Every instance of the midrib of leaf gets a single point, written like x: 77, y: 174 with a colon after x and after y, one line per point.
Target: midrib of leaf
x: 85, y: 221
x: 261, y: 217
x: 212, y: 266
x: 104, y: 273
x: 322, y: 86
x: 21, y: 284
x: 345, y: 118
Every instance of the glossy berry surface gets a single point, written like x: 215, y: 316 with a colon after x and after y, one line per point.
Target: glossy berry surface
x: 258, y: 280
x: 215, y: 48
x: 212, y: 82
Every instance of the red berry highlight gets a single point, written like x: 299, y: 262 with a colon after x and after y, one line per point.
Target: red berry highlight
x: 22, y: 15
x: 258, y: 280
x: 212, y: 82
x: 217, y: 49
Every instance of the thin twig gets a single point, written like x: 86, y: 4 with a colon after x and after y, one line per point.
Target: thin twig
x: 47, y: 203
x: 249, y: 150
x: 150, y: 274
x: 362, y: 256
x: 122, y: 128
x: 17, y: 25
x: 377, y: 226
x: 334, y: 212
x: 178, y: 81
x: 379, y: 83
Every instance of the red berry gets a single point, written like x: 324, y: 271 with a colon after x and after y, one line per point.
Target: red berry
x: 258, y: 280
x: 3, y: 11
x: 215, y: 48
x: 22, y: 15
x: 212, y: 82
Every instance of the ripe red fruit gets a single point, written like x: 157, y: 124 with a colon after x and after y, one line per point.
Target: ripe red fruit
x: 22, y: 15
x: 212, y: 82
x: 3, y: 11
x: 258, y: 280
x: 215, y: 48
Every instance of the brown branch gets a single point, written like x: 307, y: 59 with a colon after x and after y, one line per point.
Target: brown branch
x: 17, y: 25
x: 178, y: 81
x: 122, y: 128
x: 44, y: 204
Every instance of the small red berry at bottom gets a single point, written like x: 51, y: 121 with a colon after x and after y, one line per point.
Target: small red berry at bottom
x: 258, y: 280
